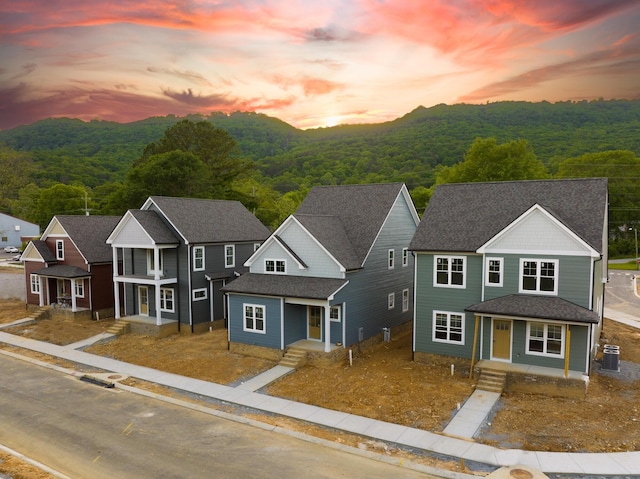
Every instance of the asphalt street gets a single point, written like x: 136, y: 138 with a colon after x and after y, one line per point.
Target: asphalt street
x: 83, y: 430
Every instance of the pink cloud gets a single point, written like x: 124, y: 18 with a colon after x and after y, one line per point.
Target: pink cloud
x: 19, y: 106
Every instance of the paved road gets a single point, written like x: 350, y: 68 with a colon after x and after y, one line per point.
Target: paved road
x: 619, y: 293
x: 83, y: 430
x: 11, y: 283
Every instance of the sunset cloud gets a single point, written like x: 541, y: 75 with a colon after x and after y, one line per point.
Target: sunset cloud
x: 307, y: 63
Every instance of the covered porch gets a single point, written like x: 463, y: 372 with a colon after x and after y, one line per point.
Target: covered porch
x: 63, y: 287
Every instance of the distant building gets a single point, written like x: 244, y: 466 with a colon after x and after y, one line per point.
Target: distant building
x: 15, y: 232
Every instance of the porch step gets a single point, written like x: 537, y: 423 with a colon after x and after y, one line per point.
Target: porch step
x: 492, y: 380
x: 119, y: 327
x: 294, y: 358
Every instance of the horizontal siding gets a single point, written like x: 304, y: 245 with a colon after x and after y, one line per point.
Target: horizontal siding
x: 430, y: 299
x: 271, y: 339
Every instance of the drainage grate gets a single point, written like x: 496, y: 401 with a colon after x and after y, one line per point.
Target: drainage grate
x: 96, y: 381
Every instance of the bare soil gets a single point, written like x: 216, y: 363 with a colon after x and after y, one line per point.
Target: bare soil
x: 384, y: 383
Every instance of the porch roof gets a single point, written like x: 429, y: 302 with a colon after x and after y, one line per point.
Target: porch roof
x: 542, y: 307
x: 285, y: 286
x: 63, y: 271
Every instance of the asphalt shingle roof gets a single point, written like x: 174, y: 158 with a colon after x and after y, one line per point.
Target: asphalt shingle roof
x: 44, y: 251
x: 541, y: 307
x: 464, y: 216
x: 283, y: 285
x: 346, y: 219
x: 211, y: 221
x: 89, y: 234
x: 154, y: 226
x: 63, y: 271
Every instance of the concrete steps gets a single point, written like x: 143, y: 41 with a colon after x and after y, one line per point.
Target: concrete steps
x: 492, y: 381
x: 119, y: 327
x: 294, y: 358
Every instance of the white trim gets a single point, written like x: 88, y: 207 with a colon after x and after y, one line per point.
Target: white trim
x: 35, y: 283
x: 197, y: 291
x: 231, y: 264
x: 391, y: 301
x: 163, y: 300
x: 195, y: 258
x: 275, y: 266
x: 448, y: 284
x: 500, y: 260
x: 336, y: 307
x: 545, y: 339
x: 556, y: 276
x: 254, y: 307
x: 391, y: 258
x: 486, y: 248
x: 405, y: 257
x: 405, y: 303
x: 60, y: 250
x: 448, y: 315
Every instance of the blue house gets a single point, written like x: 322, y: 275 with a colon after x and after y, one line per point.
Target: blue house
x: 16, y: 232
x: 334, y: 274
x: 176, y: 254
x: 513, y: 273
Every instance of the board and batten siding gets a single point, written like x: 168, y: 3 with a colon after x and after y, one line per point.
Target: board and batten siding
x: 455, y: 300
x: 366, y: 295
x: 273, y: 314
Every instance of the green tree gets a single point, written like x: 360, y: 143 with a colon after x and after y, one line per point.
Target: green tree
x: 486, y: 160
x: 59, y: 199
x: 15, y: 170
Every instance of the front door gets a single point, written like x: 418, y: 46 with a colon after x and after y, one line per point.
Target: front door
x: 315, y: 322
x: 143, y: 297
x: 501, y: 339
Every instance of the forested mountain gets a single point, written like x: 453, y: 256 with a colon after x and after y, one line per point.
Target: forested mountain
x: 407, y: 149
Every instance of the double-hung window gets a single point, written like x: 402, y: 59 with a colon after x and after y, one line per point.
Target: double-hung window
x: 34, y: 280
x: 198, y: 258
x: 254, y: 317
x: 229, y: 256
x: 405, y: 300
x: 152, y: 267
x: 391, y: 301
x: 539, y: 276
x: 493, y: 271
x: 60, y: 249
x: 448, y: 327
x: 405, y: 257
x: 335, y: 314
x: 79, y: 288
x: 390, y: 259
x: 449, y: 271
x: 278, y: 266
x: 545, y: 339
x: 166, y: 300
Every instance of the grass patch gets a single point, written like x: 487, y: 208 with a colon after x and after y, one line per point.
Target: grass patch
x: 630, y: 265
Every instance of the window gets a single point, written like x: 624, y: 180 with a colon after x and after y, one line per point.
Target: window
x: 391, y: 301
x: 60, y: 249
x: 275, y: 266
x: 79, y: 288
x: 545, y: 339
x: 229, y: 256
x: 405, y: 257
x: 151, y: 263
x: 448, y: 327
x: 166, y: 300
x: 405, y: 300
x: 493, y: 272
x: 539, y: 276
x: 198, y: 258
x: 199, y: 294
x: 390, y: 259
x: 449, y: 271
x: 334, y: 314
x: 254, y: 318
x: 34, y: 280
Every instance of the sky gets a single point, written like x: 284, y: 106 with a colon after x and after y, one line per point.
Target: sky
x: 310, y: 63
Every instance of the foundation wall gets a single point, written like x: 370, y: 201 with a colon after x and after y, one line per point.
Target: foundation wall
x: 256, y: 351
x: 148, y: 329
x: 546, y: 385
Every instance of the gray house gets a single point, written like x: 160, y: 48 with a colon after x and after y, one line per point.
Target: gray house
x: 333, y: 274
x: 513, y: 273
x: 16, y: 232
x: 176, y: 254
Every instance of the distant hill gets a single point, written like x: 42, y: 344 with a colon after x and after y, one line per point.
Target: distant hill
x: 406, y: 149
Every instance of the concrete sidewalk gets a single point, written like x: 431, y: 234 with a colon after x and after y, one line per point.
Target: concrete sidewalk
x: 623, y: 464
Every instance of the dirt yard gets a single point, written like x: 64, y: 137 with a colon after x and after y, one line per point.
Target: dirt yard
x: 384, y: 383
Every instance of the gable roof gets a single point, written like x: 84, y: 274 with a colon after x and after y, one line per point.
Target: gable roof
x: 464, y: 216
x: 43, y: 250
x: 153, y: 225
x: 89, y: 234
x: 346, y: 219
x: 284, y: 285
x: 209, y: 221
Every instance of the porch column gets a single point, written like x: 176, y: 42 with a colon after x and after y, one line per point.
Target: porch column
x: 158, y: 315
x: 116, y: 284
x: 73, y: 294
x: 156, y: 263
x: 40, y: 291
x: 327, y: 329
